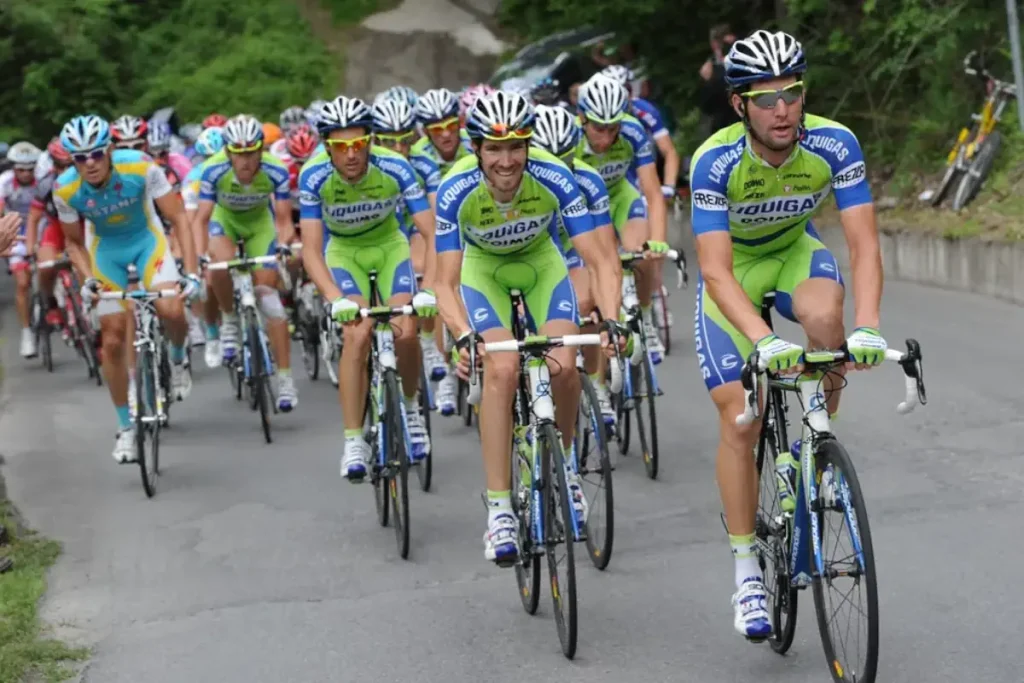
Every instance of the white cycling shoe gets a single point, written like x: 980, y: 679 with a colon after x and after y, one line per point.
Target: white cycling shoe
x: 604, y: 403
x: 124, y: 446
x: 181, y: 380
x: 212, y: 354
x: 287, y: 394
x: 433, y: 361
x: 447, y: 394
x: 750, y: 603
x: 654, y: 346
x: 353, y: 462
x: 501, y: 543
x: 229, y: 338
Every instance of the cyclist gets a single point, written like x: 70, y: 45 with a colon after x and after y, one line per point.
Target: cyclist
x: 469, y: 96
x: 756, y: 185
x: 442, y: 145
x: 495, y: 231
x: 351, y: 193
x: 617, y: 145
x: 129, y: 132
x: 209, y: 142
x: 557, y: 131
x: 394, y: 127
x: 17, y: 190
x: 158, y: 144
x: 115, y: 190
x: 235, y: 195
x: 42, y: 212
x: 215, y: 120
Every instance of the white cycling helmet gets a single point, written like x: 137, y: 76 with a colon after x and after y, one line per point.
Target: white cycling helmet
x: 436, y: 105
x: 393, y: 116
x: 603, y: 99
x: 128, y: 129
x: 243, y: 132
x: 343, y: 112
x: 620, y: 74
x: 763, y: 55
x: 159, y: 136
x: 85, y: 133
x: 292, y: 117
x: 313, y: 111
x: 555, y: 130
x: 23, y: 155
x: 500, y: 116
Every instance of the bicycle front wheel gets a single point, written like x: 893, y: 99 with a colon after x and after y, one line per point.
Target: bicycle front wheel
x: 848, y: 581
x: 425, y: 467
x: 978, y: 170
x: 259, y: 379
x: 560, y: 536
x: 646, y: 426
x: 596, y: 472
x: 147, y: 422
x: 397, y: 462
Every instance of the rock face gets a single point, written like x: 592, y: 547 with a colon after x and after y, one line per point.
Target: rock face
x: 423, y: 44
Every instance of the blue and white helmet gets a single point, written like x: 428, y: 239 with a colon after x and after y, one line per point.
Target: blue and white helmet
x: 619, y: 73
x: 401, y: 92
x: 209, y: 142
x: 603, y: 99
x: 85, y: 133
x: 763, y: 55
x: 159, y: 136
x: 500, y: 116
x: 313, y: 111
x: 555, y: 130
x: 393, y: 116
x: 243, y: 132
x: 343, y: 112
x: 436, y: 105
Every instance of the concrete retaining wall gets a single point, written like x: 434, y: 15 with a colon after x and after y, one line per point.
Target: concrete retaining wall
x: 987, y: 268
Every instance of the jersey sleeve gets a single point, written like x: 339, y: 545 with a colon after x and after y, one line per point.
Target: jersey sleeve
x: 451, y: 197
x: 428, y: 170
x: 596, y: 192
x: 651, y: 118
x: 643, y: 151
x: 157, y: 184
x: 709, y: 186
x: 64, y: 211
x: 311, y: 179
x: 208, y: 183
x: 412, y: 192
x: 278, y: 174
x: 572, y: 206
x: 846, y: 159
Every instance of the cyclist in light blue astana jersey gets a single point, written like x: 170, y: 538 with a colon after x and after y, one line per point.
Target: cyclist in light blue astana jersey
x: 394, y: 127
x: 755, y: 186
x: 116, y: 190
x: 235, y: 203
x: 352, y: 193
x: 617, y: 145
x: 557, y: 131
x: 499, y: 213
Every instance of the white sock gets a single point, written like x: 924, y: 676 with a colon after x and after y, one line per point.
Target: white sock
x: 743, y: 552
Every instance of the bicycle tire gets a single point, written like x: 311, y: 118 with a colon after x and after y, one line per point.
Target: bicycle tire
x: 165, y: 385
x: 830, y: 451
x: 623, y: 428
x: 377, y: 475
x: 590, y: 427
x: 85, y: 335
x: 145, y: 405
x: 398, y: 462
x: 563, y: 588
x: 527, y: 566
x: 782, y: 596
x: 259, y: 379
x: 464, y: 405
x: 425, y: 467
x: 978, y: 170
x: 664, y: 330
x: 42, y: 329
x: 647, y: 432
x: 310, y: 347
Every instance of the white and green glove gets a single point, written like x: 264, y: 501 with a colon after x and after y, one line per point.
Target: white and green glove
x: 344, y: 310
x: 657, y: 247
x: 778, y: 354
x: 866, y: 346
x: 425, y: 303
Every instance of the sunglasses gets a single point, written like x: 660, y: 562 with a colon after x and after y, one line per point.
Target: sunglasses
x: 242, y: 149
x: 138, y: 146
x: 501, y: 132
x: 768, y: 99
x: 355, y: 144
x: 25, y: 167
x: 393, y: 140
x: 599, y: 127
x: 94, y: 154
x: 449, y: 124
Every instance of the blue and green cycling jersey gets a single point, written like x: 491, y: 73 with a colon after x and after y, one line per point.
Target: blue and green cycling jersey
x: 220, y: 185
x: 631, y: 151
x: 426, y: 159
x: 648, y: 114
x: 766, y: 208
x: 596, y: 193
x: 429, y: 177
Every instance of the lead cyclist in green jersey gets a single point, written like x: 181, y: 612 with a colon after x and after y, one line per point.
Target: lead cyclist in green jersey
x: 235, y: 204
x: 498, y: 216
x: 755, y: 186
x: 352, y: 192
x: 617, y: 145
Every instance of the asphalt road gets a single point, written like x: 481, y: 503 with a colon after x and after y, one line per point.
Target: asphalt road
x: 257, y: 563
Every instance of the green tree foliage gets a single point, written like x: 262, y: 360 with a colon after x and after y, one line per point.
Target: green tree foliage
x: 890, y: 70
x: 59, y: 58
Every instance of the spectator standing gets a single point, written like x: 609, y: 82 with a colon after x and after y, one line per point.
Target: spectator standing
x: 714, y: 98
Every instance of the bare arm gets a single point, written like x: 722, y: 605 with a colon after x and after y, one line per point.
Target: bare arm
x: 668, y: 151
x: 446, y: 286
x: 656, y: 214
x: 714, y: 256
x: 861, y: 231
x: 32, y: 228
x: 201, y: 225
x: 424, y: 221
x: 75, y: 241
x: 173, y: 210
x: 602, y: 259
x: 283, y: 222
x: 313, y: 258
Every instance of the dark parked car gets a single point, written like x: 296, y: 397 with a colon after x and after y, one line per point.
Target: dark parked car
x: 563, y: 57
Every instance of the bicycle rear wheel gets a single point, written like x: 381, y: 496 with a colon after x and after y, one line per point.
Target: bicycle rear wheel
x: 646, y: 427
x: 559, y: 536
x: 528, y: 563
x: 42, y: 331
x: 147, y: 424
x: 397, y: 462
x: 596, y: 472
x: 978, y: 170
x: 839, y: 491
x: 425, y: 467
x: 773, y: 529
